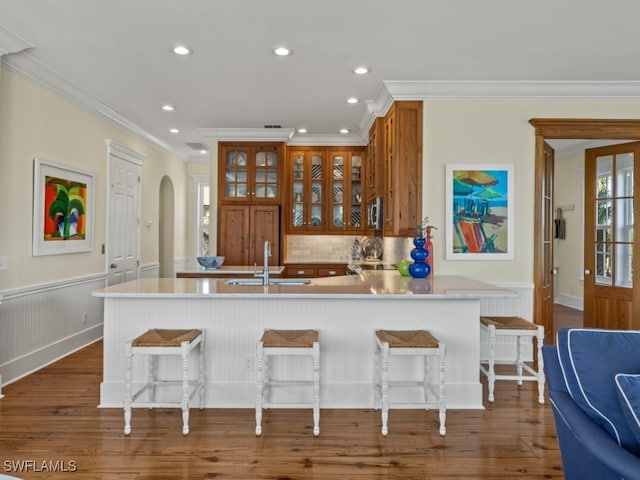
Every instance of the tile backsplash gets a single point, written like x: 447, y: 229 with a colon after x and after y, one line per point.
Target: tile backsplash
x: 337, y: 248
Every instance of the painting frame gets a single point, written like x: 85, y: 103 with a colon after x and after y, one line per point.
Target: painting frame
x: 63, y: 209
x: 479, y: 201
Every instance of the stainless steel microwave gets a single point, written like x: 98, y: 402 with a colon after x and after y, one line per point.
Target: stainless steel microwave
x: 374, y: 213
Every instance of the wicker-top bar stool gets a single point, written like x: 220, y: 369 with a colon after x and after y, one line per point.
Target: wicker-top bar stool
x: 164, y: 342
x: 409, y: 342
x: 518, y: 328
x: 286, y: 342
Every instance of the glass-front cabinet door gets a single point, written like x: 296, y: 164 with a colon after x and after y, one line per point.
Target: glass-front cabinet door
x: 346, y: 176
x: 307, y: 191
x: 250, y: 173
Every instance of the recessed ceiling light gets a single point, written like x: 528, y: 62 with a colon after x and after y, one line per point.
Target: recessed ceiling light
x: 182, y: 50
x: 352, y: 100
x: 174, y: 130
x: 361, y: 70
x: 302, y: 130
x: 204, y: 152
x: 168, y: 108
x: 344, y: 130
x: 282, y: 51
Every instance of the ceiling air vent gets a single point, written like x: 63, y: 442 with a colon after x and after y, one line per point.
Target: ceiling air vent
x: 273, y: 126
x: 197, y: 146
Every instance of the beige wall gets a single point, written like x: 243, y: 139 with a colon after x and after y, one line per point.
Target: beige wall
x: 34, y: 122
x: 495, y: 131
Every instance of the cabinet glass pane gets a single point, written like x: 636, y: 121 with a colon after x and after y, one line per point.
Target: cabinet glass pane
x: 316, y: 167
x: 356, y: 216
x: 272, y: 159
x: 356, y: 167
x: 297, y: 188
x: 316, y: 192
x: 316, y: 215
x: 338, y: 216
x: 298, y: 167
x: 338, y: 190
x: 297, y: 215
x: 337, y: 167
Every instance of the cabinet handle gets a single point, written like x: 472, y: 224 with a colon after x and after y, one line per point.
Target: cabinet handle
x: 332, y: 272
x: 300, y: 272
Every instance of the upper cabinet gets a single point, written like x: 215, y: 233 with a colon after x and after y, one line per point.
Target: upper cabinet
x: 306, y: 191
x: 375, y: 159
x: 403, y: 168
x: 325, y: 190
x: 250, y: 172
x: 346, y: 169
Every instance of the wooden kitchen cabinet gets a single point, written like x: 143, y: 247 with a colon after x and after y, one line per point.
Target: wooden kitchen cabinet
x: 403, y: 168
x: 375, y: 160
x: 314, y: 270
x: 250, y: 172
x: 325, y: 190
x: 306, y: 212
x: 242, y: 231
x: 346, y: 176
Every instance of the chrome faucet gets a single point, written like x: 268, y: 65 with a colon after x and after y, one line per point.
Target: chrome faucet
x: 265, y: 269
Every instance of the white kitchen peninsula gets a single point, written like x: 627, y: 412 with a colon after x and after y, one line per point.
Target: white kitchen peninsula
x: 345, y: 310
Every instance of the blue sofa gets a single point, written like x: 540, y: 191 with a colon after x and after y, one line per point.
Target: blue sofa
x: 588, y: 450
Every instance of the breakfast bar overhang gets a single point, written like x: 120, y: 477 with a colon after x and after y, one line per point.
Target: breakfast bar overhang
x: 346, y: 311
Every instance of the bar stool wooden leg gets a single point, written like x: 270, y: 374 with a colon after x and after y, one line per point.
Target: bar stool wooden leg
x: 385, y: 388
x: 316, y: 389
x: 185, y: 387
x: 128, y: 360
x: 259, y: 386
x: 491, y: 380
x: 442, y: 402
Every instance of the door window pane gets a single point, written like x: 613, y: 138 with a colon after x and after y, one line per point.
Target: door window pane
x: 604, y: 180
x: 624, y: 176
x: 623, y: 265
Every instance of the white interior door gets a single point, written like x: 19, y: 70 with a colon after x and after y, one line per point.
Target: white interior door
x: 123, y: 227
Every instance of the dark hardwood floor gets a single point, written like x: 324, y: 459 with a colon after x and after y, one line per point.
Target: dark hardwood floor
x: 50, y: 420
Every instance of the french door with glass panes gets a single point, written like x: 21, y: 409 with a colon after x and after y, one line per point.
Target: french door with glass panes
x: 610, y: 266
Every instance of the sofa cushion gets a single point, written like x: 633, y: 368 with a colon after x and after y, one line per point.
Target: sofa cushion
x: 629, y: 396
x: 590, y: 360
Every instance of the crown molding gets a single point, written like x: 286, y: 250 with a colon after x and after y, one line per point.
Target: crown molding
x: 247, y: 134
x: 409, y: 90
x: 29, y: 67
x: 11, y: 42
x: 339, y: 140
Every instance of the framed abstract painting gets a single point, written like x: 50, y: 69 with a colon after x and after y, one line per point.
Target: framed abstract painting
x: 480, y: 212
x: 62, y: 209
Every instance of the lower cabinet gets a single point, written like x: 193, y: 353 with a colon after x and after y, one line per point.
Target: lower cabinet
x: 242, y: 231
x: 314, y: 270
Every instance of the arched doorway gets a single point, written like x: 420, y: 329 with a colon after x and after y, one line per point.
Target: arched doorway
x: 166, y: 228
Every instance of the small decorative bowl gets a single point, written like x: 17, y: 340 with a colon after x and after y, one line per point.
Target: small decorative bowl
x: 210, y: 262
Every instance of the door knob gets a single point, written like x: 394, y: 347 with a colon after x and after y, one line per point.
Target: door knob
x: 587, y: 271
x: 113, y: 265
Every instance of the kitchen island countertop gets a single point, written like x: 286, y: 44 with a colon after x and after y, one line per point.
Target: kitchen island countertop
x: 369, y: 284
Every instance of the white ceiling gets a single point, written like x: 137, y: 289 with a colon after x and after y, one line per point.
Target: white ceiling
x: 115, y: 57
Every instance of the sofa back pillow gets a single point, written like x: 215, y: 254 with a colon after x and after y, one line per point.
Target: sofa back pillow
x: 590, y: 360
x: 629, y: 395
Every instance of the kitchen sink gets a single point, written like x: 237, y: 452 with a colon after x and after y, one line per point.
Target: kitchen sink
x: 272, y: 281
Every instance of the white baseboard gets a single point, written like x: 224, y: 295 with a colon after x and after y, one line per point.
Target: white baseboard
x: 569, y: 301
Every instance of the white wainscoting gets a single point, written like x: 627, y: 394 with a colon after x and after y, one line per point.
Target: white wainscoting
x: 522, y: 306
x: 43, y: 323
